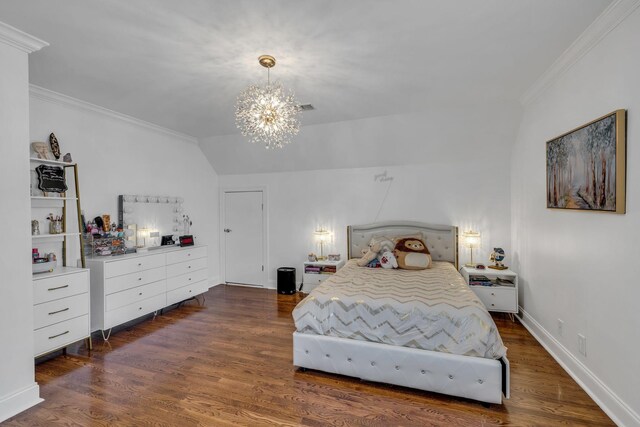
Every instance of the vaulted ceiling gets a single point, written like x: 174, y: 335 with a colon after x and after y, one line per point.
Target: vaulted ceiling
x: 181, y: 64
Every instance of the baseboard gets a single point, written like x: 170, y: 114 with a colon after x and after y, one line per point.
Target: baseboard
x: 611, y: 404
x: 20, y: 401
x: 214, y: 281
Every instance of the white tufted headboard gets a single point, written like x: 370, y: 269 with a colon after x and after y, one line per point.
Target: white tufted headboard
x: 442, y: 240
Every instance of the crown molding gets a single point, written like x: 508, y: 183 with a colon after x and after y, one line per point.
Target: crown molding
x: 609, y: 19
x: 68, y: 101
x: 19, y: 39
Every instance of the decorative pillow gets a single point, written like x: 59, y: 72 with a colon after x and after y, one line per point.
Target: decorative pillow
x: 412, y: 254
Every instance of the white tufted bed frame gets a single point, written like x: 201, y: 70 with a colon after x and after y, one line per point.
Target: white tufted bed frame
x: 485, y: 380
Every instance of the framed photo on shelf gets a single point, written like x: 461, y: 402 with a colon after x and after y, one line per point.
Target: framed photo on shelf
x: 586, y: 167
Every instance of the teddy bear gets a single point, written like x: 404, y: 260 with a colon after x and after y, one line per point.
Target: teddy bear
x: 388, y: 260
x: 412, y: 254
x: 370, y: 254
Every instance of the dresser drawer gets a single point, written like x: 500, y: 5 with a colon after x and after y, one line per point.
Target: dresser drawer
x: 133, y: 311
x: 131, y: 296
x: 497, y: 298
x: 186, y: 255
x: 186, y: 267
x: 61, y: 334
x: 53, y: 288
x: 186, y: 292
x: 133, y: 265
x: 48, y: 313
x: 186, y: 279
x: 127, y: 281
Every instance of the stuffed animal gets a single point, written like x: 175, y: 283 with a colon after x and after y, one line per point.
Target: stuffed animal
x: 370, y: 255
x: 412, y: 254
x: 388, y: 260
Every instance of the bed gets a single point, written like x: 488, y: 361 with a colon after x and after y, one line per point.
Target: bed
x: 420, y: 329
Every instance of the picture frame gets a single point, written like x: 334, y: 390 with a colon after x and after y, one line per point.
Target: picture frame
x: 586, y: 167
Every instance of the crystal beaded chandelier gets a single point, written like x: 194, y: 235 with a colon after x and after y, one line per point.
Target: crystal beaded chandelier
x: 268, y: 114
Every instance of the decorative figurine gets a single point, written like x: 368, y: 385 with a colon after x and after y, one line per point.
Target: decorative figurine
x: 312, y: 257
x: 67, y: 158
x: 55, y: 147
x: 35, y: 228
x: 497, y: 256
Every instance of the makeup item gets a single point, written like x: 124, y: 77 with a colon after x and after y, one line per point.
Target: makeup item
x: 106, y: 219
x: 99, y: 223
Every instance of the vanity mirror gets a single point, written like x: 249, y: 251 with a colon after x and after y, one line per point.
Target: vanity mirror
x: 148, y: 218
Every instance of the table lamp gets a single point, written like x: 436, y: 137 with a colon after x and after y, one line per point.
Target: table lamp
x: 321, y: 235
x: 471, y: 240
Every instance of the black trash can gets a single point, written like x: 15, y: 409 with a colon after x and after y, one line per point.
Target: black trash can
x: 287, y: 280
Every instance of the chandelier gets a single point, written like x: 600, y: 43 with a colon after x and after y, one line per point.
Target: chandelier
x: 268, y: 114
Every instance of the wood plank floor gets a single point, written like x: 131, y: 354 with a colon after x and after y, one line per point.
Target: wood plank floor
x: 230, y: 363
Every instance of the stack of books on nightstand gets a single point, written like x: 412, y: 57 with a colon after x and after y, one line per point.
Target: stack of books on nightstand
x: 329, y: 269
x: 312, y: 269
x: 478, y: 280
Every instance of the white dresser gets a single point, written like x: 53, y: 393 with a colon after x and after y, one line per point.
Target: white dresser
x: 126, y: 287
x: 60, y: 308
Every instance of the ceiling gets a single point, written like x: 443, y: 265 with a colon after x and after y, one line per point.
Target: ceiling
x: 181, y: 64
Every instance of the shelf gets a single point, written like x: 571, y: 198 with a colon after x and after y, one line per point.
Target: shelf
x: 51, y: 162
x: 53, y: 236
x: 52, y: 198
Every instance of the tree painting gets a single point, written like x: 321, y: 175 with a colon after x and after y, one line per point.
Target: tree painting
x: 582, y: 165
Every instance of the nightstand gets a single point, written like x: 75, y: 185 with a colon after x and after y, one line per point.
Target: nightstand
x: 317, y: 272
x: 497, y: 289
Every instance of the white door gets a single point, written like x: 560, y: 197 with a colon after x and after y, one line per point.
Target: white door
x: 243, y: 237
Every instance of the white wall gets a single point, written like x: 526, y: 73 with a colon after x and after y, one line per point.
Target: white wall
x: 579, y: 266
x: 460, y: 176
x: 118, y: 156
x: 18, y: 389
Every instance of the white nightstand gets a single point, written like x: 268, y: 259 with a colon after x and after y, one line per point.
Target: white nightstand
x: 325, y: 270
x: 501, y: 295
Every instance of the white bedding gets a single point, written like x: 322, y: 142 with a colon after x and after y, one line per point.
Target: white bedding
x: 431, y: 309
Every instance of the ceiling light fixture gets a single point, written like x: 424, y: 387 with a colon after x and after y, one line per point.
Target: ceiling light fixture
x: 268, y: 114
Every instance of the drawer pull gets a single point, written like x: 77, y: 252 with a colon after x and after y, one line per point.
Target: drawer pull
x: 140, y: 293
x: 59, y: 311
x: 139, y: 278
x: 139, y: 308
x: 189, y: 278
x: 58, y: 287
x: 189, y: 290
x: 59, y: 335
x: 139, y: 264
x: 189, y: 254
x: 492, y: 294
x: 493, y: 305
x: 189, y: 266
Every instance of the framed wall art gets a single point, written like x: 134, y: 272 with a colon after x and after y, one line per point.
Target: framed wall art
x: 586, y: 167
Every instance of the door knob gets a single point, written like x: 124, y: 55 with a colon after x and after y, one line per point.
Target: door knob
x: 227, y: 230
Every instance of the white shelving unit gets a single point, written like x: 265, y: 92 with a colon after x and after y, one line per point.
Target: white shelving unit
x: 61, y: 301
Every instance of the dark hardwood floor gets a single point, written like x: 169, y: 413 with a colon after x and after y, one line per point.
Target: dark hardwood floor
x: 230, y: 363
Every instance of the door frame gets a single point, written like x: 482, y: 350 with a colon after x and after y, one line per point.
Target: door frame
x: 265, y: 230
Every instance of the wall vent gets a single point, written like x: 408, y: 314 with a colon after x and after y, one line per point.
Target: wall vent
x: 307, y: 107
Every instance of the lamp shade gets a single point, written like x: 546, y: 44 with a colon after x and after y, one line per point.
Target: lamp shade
x: 471, y: 239
x: 321, y: 234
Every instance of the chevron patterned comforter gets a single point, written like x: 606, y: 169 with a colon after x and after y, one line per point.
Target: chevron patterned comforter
x: 429, y: 309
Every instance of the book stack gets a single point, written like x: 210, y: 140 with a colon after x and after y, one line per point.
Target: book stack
x: 312, y: 269
x: 329, y: 269
x: 479, y: 280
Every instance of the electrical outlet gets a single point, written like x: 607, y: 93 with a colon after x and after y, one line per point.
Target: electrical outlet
x: 582, y: 345
x: 560, y: 327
